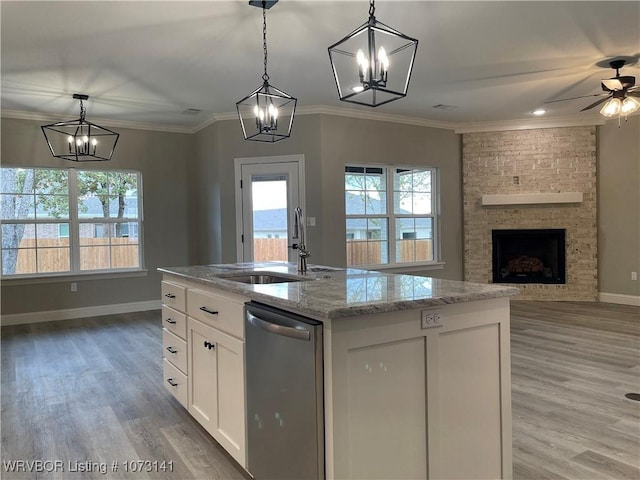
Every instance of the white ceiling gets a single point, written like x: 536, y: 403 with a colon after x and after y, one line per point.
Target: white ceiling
x: 144, y: 63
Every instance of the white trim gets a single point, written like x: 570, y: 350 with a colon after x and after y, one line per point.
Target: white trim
x: 471, y: 127
x: 619, y: 299
x: 532, y: 198
x: 298, y: 159
x: 530, y: 124
x: 70, y: 313
x: 72, y: 277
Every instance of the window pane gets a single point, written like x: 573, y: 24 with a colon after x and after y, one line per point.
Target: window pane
x: 94, y: 258
x: 53, y: 260
x: 107, y: 194
x: 412, y: 191
x: 17, y: 207
x: 376, y: 203
x: 124, y: 256
x: 18, y: 261
x: 52, y: 181
x: 52, y: 206
x: 16, y: 180
x: 95, y: 233
x: 354, y: 203
x: 356, y: 253
x: 48, y: 235
x: 414, y: 239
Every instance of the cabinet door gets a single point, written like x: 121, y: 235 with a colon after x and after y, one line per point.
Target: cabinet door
x: 216, y: 385
x: 231, y: 400
x: 202, y: 374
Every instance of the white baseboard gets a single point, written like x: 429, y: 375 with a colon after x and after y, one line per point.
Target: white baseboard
x: 618, y: 298
x: 69, y: 313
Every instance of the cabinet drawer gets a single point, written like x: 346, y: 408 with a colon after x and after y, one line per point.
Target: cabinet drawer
x: 174, y: 321
x: 175, y: 381
x: 219, y: 312
x: 173, y: 295
x: 174, y: 350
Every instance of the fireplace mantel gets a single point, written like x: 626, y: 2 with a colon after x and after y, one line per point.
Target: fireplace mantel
x: 531, y: 198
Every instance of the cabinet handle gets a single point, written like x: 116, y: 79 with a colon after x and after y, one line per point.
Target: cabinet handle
x: 170, y: 295
x: 210, y: 312
x: 172, y: 322
x: 209, y: 345
x: 172, y: 350
x: 171, y: 382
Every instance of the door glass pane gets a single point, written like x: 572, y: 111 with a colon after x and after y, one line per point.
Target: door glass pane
x: 270, y: 226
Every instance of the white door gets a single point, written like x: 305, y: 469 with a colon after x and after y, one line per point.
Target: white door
x: 268, y: 191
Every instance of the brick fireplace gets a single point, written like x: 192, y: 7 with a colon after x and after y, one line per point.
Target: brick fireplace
x: 543, y: 179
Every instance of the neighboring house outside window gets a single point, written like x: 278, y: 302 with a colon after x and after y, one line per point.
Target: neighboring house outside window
x: 390, y: 215
x: 69, y: 221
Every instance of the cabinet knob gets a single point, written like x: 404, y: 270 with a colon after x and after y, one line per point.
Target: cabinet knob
x: 171, y: 382
x: 172, y: 350
x: 210, y: 312
x: 170, y: 295
x: 209, y: 345
x: 171, y: 321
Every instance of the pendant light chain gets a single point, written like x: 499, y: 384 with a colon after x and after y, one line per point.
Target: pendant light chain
x: 83, y: 111
x: 265, y: 77
x: 372, y: 8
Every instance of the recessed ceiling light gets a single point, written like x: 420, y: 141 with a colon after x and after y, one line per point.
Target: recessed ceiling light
x: 539, y: 111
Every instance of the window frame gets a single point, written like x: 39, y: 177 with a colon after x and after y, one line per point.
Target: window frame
x: 74, y: 222
x: 391, y: 216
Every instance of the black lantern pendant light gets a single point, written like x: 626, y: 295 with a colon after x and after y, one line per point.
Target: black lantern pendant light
x: 266, y: 114
x: 80, y: 140
x: 372, y: 65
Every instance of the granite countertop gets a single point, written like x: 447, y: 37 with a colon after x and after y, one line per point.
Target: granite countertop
x: 327, y: 292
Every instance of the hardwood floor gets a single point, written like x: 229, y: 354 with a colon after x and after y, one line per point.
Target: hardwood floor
x: 572, y: 364
x: 90, y: 390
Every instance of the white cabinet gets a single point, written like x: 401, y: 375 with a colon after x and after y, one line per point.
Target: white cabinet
x: 174, y: 345
x: 216, y: 385
x: 203, y: 350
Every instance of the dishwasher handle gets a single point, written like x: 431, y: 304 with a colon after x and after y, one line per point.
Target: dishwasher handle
x: 291, y: 332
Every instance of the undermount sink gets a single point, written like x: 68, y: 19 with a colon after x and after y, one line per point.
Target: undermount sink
x: 259, y: 279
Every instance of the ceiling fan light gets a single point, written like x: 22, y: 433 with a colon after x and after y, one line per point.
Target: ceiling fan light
x: 629, y: 105
x: 612, y: 107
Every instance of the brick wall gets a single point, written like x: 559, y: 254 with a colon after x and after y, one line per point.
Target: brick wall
x: 552, y: 160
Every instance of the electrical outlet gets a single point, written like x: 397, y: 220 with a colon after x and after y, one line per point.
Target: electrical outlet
x: 311, y: 221
x: 74, y: 287
x: 430, y: 318
x: 634, y: 275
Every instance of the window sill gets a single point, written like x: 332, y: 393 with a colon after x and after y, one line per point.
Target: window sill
x: 403, y: 267
x: 73, y: 277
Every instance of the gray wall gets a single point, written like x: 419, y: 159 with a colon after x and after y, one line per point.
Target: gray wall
x: 619, y: 206
x: 189, y: 201
x: 162, y: 158
x: 349, y: 140
x: 328, y: 143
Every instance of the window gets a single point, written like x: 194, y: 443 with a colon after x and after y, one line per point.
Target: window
x: 390, y: 215
x: 57, y: 221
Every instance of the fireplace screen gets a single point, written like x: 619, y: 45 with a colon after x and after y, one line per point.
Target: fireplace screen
x: 529, y: 256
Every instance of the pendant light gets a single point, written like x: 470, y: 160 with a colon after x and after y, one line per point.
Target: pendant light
x: 266, y: 114
x: 372, y: 65
x: 80, y: 140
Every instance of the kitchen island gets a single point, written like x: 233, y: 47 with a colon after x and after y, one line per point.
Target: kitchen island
x: 416, y: 369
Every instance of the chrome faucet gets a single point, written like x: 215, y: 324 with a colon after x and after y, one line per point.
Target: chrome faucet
x: 298, y: 232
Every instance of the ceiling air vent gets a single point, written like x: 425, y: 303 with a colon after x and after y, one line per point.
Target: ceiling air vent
x: 192, y: 111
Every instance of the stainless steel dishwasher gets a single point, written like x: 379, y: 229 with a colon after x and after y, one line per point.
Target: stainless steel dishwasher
x: 285, y: 405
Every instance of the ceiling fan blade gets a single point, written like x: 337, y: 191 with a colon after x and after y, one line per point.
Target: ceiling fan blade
x: 595, y: 104
x: 575, y: 98
x: 612, y: 84
x: 635, y: 93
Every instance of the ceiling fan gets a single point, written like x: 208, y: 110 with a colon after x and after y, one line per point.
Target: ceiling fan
x: 618, y: 92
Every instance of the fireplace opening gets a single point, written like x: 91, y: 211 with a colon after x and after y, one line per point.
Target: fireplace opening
x: 529, y: 256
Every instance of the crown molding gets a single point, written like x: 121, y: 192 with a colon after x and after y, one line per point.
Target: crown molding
x: 529, y: 124
x: 48, y: 117
x: 472, y: 127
